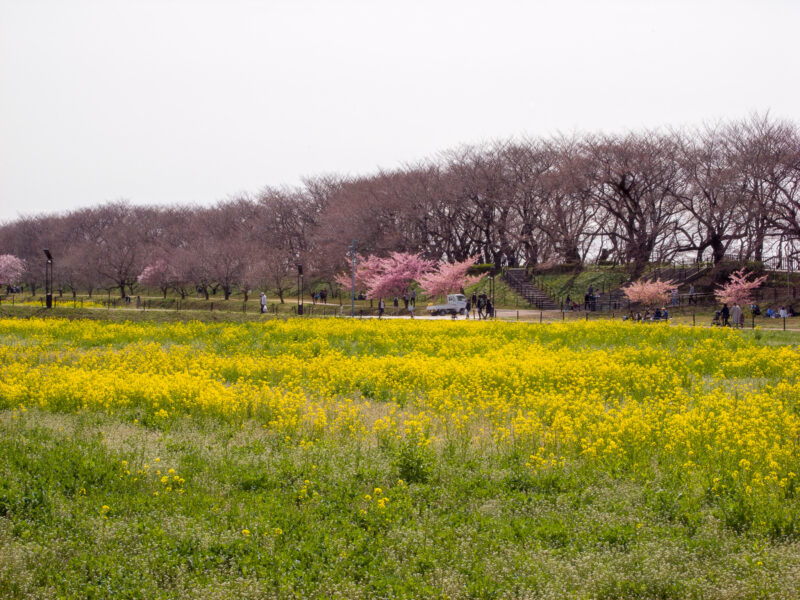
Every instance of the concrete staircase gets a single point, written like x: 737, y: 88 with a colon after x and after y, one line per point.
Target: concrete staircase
x: 519, y: 281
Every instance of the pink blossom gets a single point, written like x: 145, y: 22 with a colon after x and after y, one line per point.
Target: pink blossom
x: 11, y: 269
x: 396, y: 273
x: 449, y: 278
x: 739, y: 290
x: 649, y: 293
x: 366, y: 269
x: 156, y: 274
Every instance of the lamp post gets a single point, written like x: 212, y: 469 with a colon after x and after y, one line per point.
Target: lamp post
x: 299, y: 289
x: 494, y: 308
x: 48, y: 279
x: 353, y: 280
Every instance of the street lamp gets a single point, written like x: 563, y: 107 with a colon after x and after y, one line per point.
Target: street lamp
x: 353, y: 281
x: 48, y: 279
x: 299, y: 289
x: 491, y: 291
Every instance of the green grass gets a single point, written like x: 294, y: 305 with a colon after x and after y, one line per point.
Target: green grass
x: 478, y: 526
x: 576, y: 285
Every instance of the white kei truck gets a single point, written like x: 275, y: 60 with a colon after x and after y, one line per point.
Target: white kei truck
x: 456, y: 305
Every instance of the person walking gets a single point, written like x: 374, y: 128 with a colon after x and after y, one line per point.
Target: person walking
x: 489, y: 308
x: 263, y: 303
x: 692, y: 296
x: 381, y: 307
x: 411, y: 307
x: 725, y: 313
x: 481, y: 305
x: 466, y: 312
x: 736, y: 315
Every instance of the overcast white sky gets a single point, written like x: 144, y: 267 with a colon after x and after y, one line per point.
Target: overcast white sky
x: 191, y: 101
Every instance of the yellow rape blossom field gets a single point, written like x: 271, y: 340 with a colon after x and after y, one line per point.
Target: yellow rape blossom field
x: 337, y: 458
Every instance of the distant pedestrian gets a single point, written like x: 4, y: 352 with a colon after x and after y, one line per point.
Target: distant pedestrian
x: 411, y: 307
x: 381, y: 308
x: 481, y: 305
x: 489, y: 308
x: 466, y: 312
x: 736, y: 315
x: 692, y: 296
x: 263, y: 303
x: 675, y: 297
x: 396, y: 302
x: 725, y: 314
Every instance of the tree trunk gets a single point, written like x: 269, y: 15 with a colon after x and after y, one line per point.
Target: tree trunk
x: 718, y: 248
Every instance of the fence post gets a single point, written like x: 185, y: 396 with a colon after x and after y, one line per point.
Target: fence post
x: 541, y: 315
x: 517, y: 315
x: 693, y: 323
x: 753, y: 321
x: 212, y: 307
x: 784, y: 323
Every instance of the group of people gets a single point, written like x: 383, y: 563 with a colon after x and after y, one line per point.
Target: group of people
x: 320, y: 296
x: 734, y: 316
x: 729, y: 317
x: 659, y: 314
x: 590, y: 301
x: 782, y: 313
x: 483, y: 304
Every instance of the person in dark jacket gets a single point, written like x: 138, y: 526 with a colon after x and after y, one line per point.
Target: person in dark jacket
x: 725, y: 313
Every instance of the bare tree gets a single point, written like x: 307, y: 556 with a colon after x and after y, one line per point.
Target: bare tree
x: 712, y: 195
x: 636, y: 181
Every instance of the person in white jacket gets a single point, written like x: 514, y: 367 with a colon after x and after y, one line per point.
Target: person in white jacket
x: 736, y: 315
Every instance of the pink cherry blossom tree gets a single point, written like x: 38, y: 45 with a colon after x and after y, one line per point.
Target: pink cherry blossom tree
x: 649, y: 293
x: 739, y: 289
x: 449, y: 278
x: 158, y: 274
x: 366, y: 268
x: 396, y: 273
x: 11, y: 269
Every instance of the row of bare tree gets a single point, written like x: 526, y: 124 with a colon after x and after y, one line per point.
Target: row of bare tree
x: 726, y: 189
